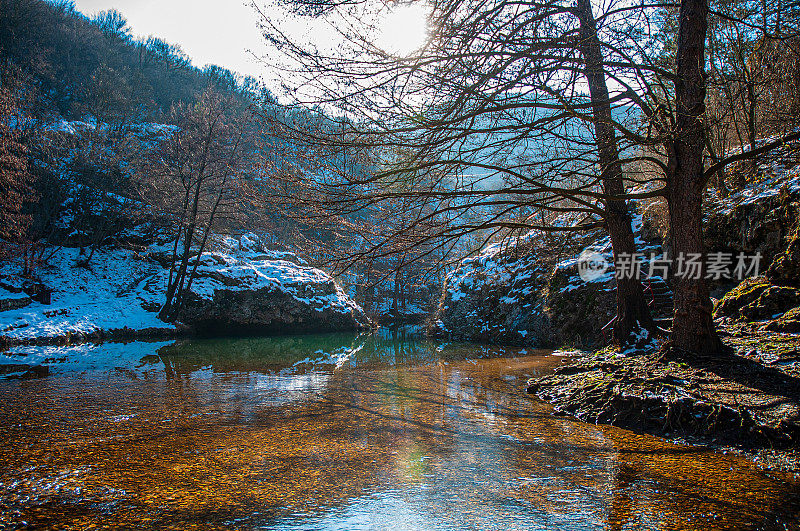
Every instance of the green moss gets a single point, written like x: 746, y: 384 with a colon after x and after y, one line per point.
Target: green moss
x: 789, y: 322
x: 745, y: 293
x: 785, y: 270
x: 793, y: 314
x: 773, y: 301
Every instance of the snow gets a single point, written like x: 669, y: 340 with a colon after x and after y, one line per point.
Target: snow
x: 123, y: 289
x: 90, y: 123
x: 242, y: 265
x: 108, y: 295
x: 491, y: 267
x: 74, y: 127
x: 778, y: 171
x: 568, y: 353
x: 10, y: 295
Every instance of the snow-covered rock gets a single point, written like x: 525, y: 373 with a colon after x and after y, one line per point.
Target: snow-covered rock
x: 526, y: 291
x: 240, y: 288
x: 495, y: 296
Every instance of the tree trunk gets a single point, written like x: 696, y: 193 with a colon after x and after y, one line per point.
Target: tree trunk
x: 693, y: 325
x: 633, y: 313
x: 396, y: 290
x: 632, y: 310
x: 206, y: 234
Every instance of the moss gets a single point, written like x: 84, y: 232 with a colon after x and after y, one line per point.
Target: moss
x: 745, y: 293
x: 785, y: 270
x: 773, y: 301
x: 789, y: 322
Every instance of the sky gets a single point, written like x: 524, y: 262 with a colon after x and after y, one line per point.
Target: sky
x: 225, y: 32
x: 210, y: 31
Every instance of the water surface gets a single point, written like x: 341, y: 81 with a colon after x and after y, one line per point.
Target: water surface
x: 379, y: 431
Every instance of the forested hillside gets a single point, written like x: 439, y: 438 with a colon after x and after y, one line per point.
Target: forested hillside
x: 109, y: 140
x: 94, y: 123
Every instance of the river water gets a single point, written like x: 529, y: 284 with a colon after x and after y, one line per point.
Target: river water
x: 378, y: 431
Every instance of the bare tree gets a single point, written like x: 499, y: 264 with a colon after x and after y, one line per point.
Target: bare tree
x: 494, y: 112
x: 15, y: 179
x: 196, y: 179
x: 546, y: 106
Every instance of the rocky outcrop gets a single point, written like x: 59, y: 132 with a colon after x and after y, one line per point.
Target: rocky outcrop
x: 496, y: 297
x: 760, y: 217
x: 749, y: 399
x: 742, y: 295
x: 240, y: 288
x: 759, y: 224
x: 578, y: 311
x: 243, y: 289
x: 522, y: 292
x: 773, y: 297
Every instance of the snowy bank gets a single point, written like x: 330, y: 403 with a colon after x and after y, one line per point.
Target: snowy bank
x: 119, y: 294
x: 106, y: 298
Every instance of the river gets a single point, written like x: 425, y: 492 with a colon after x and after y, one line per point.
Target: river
x: 377, y: 431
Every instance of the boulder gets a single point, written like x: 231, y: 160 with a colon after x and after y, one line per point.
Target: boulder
x: 496, y: 297
x: 523, y: 291
x: 759, y: 218
x: 773, y: 301
x: 240, y: 290
x: 742, y: 295
x: 756, y: 299
x: 579, y: 311
x: 789, y: 322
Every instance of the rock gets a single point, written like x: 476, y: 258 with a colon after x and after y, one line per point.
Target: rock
x: 496, y: 297
x: 578, y: 311
x: 23, y: 371
x: 238, y: 292
x: 756, y: 299
x: 787, y: 323
x: 774, y: 300
x: 775, y: 293
x: 36, y: 372
x: 745, y: 293
x: 523, y: 292
x: 10, y: 368
x: 757, y: 220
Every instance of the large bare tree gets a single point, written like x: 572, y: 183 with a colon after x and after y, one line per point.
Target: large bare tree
x: 496, y: 120
x: 544, y: 106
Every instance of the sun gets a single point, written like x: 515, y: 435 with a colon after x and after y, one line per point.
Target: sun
x: 404, y: 29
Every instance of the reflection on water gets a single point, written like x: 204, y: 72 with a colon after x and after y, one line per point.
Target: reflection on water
x: 382, y: 431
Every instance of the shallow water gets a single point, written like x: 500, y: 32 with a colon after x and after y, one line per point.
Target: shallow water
x: 380, y: 431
